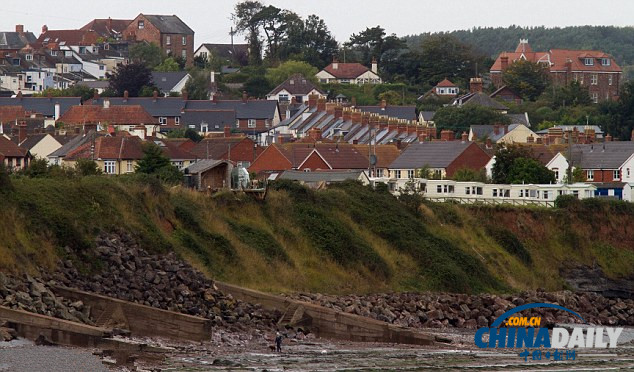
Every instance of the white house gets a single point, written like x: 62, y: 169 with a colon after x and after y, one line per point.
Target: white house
x: 296, y: 86
x: 349, y: 73
x: 600, y: 162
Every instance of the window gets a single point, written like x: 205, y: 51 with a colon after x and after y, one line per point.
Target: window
x: 556, y: 171
x: 184, y: 54
x: 18, y: 162
x: 439, y: 189
x: 594, y: 79
x: 177, y: 120
x: 168, y: 40
x: 102, y: 67
x: 397, y: 174
x: 204, y: 128
x: 478, y: 190
x: 130, y: 166
x: 590, y: 175
x: 605, y: 61
x: 267, y: 123
x: 495, y: 193
x: 163, y: 120
x: 410, y: 173
x: 610, y: 79
x: 283, y: 97
x: 467, y: 190
x: 616, y: 174
x: 141, y: 25
x: 545, y: 194
x: 184, y: 40
x: 437, y: 173
x: 109, y: 167
x: 521, y: 193
x: 379, y: 172
x: 595, y: 97
x: 251, y: 123
x: 54, y: 53
x: 29, y: 57
x: 588, y: 61
x: 628, y: 172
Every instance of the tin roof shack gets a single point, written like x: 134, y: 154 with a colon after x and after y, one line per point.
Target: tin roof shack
x: 209, y: 174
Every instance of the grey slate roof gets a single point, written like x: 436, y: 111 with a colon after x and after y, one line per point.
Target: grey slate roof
x: 227, y: 51
x: 296, y: 84
x: 252, y: 109
x: 213, y: 118
x: 480, y: 99
x: 520, y: 119
x: 96, y: 84
x: 203, y: 165
x: 607, y: 155
x: 435, y: 154
x: 15, y: 40
x: 32, y: 140
x: 488, y: 131
x: 165, y: 81
x: 401, y: 112
x: 428, y: 115
x: 161, y: 106
x: 169, y: 24
x: 72, y: 144
x: 42, y: 105
x: 338, y: 176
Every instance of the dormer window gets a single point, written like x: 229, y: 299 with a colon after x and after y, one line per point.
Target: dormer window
x: 588, y: 61
x: 605, y: 61
x: 141, y: 25
x: 54, y: 53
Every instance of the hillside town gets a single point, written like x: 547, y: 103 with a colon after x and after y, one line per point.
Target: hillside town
x: 270, y: 197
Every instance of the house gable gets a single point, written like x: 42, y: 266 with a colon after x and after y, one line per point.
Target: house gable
x: 314, y: 161
x: 271, y: 159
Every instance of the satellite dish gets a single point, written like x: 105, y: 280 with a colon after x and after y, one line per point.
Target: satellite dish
x: 372, y: 159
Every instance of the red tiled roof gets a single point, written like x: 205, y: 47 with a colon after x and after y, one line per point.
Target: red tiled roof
x: 385, y: 154
x: 114, y: 115
x: 70, y: 37
x: 174, y: 152
x: 119, y: 147
x: 11, y: 113
x: 10, y: 149
x: 346, y: 70
x: 445, y: 83
x: 105, y: 27
x: 215, y: 148
x: 523, y: 48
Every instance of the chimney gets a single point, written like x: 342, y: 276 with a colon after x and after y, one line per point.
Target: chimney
x: 383, y: 122
x: 321, y: 104
x: 356, y: 116
x: 106, y: 103
x: 506, y: 129
x: 447, y: 135
x: 330, y: 108
x: 44, y: 29
x: 125, y: 95
x: 375, y: 66
x: 19, y: 29
x: 608, y: 138
x: 95, y: 95
x: 312, y: 100
x: 185, y: 95
x: 338, y: 111
x: 227, y: 131
x: 496, y: 129
x: 244, y: 96
x: 505, y: 62
x: 475, y: 85
x: 19, y: 95
x: 399, y: 144
x: 530, y: 139
x: 465, y: 137
x: 155, y: 95
x: 335, y: 64
x: 383, y: 105
x: 365, y: 118
x: 57, y: 111
x: 293, y: 100
x: 22, y: 131
x: 314, y: 134
x: 538, y: 140
x: 353, y: 102
x: 488, y: 144
x: 347, y: 114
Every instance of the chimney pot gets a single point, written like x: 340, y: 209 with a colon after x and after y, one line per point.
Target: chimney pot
x: 44, y: 29
x: 19, y: 29
x: 155, y: 95
x: 22, y: 131
x: 244, y: 96
x: 383, y: 104
x: 465, y: 137
x: 475, y: 85
x: 227, y: 131
x: 185, y: 95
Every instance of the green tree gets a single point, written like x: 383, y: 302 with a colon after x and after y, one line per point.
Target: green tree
x: 246, y: 23
x: 469, y: 175
x: 526, y: 78
x: 198, y: 86
x: 573, y: 94
x: 74, y: 91
x: 87, y: 167
x: 528, y: 170
x: 155, y: 163
x: 169, y: 64
x: 148, y: 54
x: 309, y: 41
x: 618, y: 117
x: 578, y: 175
x: 391, y: 97
x: 6, y: 186
x: 461, y: 118
x: 367, y: 44
x: 282, y: 72
x: 185, y: 133
x: 504, y: 158
x: 258, y: 86
x: 37, y: 168
x: 131, y: 77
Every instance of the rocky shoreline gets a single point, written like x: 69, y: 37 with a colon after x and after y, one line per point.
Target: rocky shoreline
x: 441, y: 310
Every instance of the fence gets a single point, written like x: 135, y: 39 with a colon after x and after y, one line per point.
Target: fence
x: 493, y: 201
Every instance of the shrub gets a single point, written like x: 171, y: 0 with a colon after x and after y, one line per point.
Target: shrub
x: 507, y: 240
x: 260, y: 240
x: 566, y: 201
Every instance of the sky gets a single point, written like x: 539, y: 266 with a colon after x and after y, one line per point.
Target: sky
x: 211, y: 19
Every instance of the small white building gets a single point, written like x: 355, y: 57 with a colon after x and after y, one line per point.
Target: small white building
x: 349, y: 73
x: 297, y: 87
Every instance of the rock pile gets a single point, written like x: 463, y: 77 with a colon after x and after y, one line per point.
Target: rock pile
x: 438, y: 310
x: 31, y: 294
x: 132, y: 274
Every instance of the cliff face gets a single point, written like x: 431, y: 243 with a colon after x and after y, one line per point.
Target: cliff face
x: 344, y: 239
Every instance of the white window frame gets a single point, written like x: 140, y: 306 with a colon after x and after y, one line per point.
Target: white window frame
x: 29, y: 57
x: 616, y: 174
x: 590, y: 175
x: 130, y: 166
x: 204, y: 128
x: 588, y: 61
x: 168, y: 40
x: 610, y: 77
x: 184, y: 40
x: 109, y: 167
x: 595, y: 97
x: 397, y: 174
x: 184, y: 53
x: 594, y: 79
x: 177, y: 120
x: 410, y: 174
x: 606, y: 62
x: 163, y: 120
x: 141, y: 25
x: 251, y: 123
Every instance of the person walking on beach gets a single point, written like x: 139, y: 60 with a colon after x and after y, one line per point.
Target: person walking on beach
x: 278, y: 343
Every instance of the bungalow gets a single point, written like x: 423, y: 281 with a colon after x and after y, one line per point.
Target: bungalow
x: 443, y: 158
x: 320, y: 179
x: 113, y: 155
x: 297, y: 87
x: 600, y: 162
x: 124, y: 118
x: 349, y: 73
x: 13, y: 156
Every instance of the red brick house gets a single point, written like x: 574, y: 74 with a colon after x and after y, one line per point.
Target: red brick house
x: 593, y: 69
x: 13, y: 156
x: 125, y: 118
x: 167, y: 31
